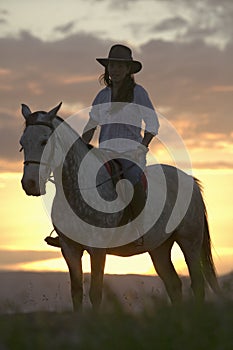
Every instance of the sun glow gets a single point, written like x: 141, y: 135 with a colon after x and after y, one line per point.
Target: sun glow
x: 24, y: 225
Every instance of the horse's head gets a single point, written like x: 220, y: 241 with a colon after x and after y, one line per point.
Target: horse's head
x: 37, y: 135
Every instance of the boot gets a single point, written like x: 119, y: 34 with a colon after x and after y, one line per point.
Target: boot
x: 133, y: 210
x: 136, y: 207
x: 53, y: 241
x: 139, y: 200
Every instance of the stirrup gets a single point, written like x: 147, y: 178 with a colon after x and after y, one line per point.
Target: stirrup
x: 53, y: 241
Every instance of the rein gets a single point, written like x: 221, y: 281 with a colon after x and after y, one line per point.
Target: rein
x: 116, y: 175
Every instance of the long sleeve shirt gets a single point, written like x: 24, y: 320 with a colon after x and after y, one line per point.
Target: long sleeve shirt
x: 121, y: 123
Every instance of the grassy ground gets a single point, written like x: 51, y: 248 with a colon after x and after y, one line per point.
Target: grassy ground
x: 160, y: 327
x: 141, y: 322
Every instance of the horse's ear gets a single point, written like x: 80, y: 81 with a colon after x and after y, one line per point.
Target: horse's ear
x: 54, y: 111
x: 25, y: 111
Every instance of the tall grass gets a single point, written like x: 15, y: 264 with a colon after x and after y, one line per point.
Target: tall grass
x: 161, y: 327
x: 135, y: 320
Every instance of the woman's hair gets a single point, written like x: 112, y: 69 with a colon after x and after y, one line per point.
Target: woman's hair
x: 125, y: 94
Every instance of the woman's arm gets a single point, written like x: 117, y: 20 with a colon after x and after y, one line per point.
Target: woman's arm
x: 89, y: 130
x: 147, y: 138
x: 148, y: 113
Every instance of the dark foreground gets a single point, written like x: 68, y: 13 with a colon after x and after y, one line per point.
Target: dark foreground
x: 161, y: 327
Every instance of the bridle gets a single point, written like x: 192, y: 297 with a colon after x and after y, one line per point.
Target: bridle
x: 32, y: 122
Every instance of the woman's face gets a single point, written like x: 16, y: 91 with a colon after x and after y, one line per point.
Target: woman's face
x: 118, y: 71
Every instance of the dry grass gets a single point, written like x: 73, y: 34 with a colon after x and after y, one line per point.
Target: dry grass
x: 163, y: 327
x: 153, y: 325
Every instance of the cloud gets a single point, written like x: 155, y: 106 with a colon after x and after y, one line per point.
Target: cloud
x: 212, y: 20
x: 42, y: 74
x: 170, y: 24
x: 12, y: 257
x: 192, y: 81
x: 10, y: 130
x: 212, y: 165
x: 4, y: 12
x: 206, y: 20
x: 65, y: 28
x: 209, y: 20
x: 3, y: 21
x: 181, y: 77
x: 122, y: 4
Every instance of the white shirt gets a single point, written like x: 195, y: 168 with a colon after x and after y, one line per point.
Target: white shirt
x: 121, y: 122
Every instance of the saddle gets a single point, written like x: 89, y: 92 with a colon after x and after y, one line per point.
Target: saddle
x: 115, y: 170
x: 114, y: 167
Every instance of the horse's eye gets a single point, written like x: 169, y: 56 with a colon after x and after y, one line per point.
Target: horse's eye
x: 43, y: 143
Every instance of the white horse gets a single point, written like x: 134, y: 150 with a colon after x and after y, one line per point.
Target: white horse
x: 63, y: 159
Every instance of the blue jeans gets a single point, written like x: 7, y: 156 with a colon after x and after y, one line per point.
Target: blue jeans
x: 131, y: 171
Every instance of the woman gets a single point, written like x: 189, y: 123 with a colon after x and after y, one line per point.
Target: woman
x: 119, y: 109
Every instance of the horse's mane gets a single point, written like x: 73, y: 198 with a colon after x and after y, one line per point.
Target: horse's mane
x: 61, y: 120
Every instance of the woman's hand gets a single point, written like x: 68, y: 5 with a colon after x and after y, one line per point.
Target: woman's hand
x: 142, y: 148
x: 140, y: 154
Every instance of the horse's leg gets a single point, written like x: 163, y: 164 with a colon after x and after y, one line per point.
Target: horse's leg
x: 72, y: 254
x: 98, y: 257
x: 191, y: 248
x: 161, y: 258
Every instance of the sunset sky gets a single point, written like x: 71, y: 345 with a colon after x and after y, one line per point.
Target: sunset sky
x: 47, y: 55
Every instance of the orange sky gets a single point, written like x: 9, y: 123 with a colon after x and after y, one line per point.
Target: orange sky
x: 187, y: 55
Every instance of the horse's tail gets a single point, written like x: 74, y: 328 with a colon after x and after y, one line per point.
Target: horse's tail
x: 207, y: 262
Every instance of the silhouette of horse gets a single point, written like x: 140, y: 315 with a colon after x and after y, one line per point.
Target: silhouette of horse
x: 187, y: 226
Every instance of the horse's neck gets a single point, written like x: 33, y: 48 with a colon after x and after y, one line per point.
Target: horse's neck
x: 80, y: 163
x: 69, y: 142
x: 73, y: 162
x: 68, y: 138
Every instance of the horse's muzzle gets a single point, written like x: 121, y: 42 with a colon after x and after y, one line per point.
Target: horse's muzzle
x: 32, y: 187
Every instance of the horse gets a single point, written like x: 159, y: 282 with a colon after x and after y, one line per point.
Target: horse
x: 63, y: 157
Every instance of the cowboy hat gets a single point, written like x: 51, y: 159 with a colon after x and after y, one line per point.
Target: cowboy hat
x: 123, y: 54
